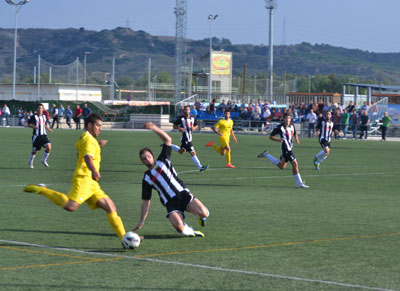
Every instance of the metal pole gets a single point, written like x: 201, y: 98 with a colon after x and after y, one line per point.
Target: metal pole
x: 15, y: 50
x: 38, y: 77
x: 84, y: 68
x: 149, y: 81
x: 77, y: 77
x: 210, y: 50
x: 190, y: 78
x: 50, y: 73
x: 34, y: 75
x: 271, y: 54
x: 112, y: 80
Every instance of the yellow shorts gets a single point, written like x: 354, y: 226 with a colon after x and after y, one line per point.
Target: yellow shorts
x: 223, y: 142
x: 85, y: 189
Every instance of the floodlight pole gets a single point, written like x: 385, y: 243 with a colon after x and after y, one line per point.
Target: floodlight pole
x: 270, y: 5
x: 211, y: 18
x: 84, y: 66
x: 17, y: 8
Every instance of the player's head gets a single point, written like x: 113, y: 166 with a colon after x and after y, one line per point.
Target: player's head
x: 287, y: 118
x: 40, y: 108
x: 328, y: 115
x: 93, y: 124
x: 186, y: 110
x: 227, y: 114
x: 147, y: 157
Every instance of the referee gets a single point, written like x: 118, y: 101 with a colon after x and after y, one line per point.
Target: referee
x: 39, y: 137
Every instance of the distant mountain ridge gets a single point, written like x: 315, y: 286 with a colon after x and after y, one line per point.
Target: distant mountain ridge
x: 133, y: 48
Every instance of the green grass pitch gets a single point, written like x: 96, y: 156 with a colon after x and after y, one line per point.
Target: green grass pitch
x: 343, y: 233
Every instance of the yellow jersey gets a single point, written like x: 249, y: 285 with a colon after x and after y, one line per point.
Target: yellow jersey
x: 225, y: 127
x: 87, y: 145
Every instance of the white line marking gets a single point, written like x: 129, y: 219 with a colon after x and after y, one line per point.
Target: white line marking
x: 231, y: 178
x: 202, y: 266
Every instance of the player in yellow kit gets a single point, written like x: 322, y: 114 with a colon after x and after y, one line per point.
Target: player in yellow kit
x: 224, y: 128
x: 85, y: 186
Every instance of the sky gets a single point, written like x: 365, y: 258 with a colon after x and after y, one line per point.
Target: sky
x: 356, y: 24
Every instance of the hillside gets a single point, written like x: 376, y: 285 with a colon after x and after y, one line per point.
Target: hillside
x: 133, y: 48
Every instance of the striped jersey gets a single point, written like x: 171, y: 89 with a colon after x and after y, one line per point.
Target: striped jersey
x: 325, y: 128
x: 187, y: 124
x: 40, y: 122
x: 163, y: 178
x: 287, y: 133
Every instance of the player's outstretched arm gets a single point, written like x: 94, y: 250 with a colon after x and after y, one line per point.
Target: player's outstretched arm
x: 144, y: 212
x: 161, y: 133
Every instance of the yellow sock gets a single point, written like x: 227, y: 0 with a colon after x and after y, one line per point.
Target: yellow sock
x: 116, y: 223
x: 218, y: 149
x: 56, y: 197
x: 228, y: 157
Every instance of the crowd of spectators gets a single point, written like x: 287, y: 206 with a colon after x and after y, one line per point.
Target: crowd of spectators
x: 54, y: 115
x: 262, y: 112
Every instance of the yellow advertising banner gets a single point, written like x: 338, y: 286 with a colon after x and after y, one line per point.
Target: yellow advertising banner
x: 221, y: 63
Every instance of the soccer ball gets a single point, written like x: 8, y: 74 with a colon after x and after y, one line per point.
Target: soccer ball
x: 130, y: 240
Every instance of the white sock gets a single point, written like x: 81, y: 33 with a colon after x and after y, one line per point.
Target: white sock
x: 319, y: 154
x: 31, y: 159
x: 297, y: 177
x: 322, y: 158
x: 272, y: 159
x: 45, y: 156
x: 187, y: 230
x: 196, y: 162
x: 175, y: 147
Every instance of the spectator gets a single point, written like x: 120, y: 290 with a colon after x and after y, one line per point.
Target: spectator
x: 350, y: 107
x: 86, y: 111
x: 193, y: 111
x: 211, y: 108
x: 6, y: 113
x: 47, y: 114
x: 54, y: 112
x: 321, y: 106
x: 221, y: 107
x: 197, y: 104
x: 337, y: 121
x: 203, y: 106
x: 311, y: 119
x: 21, y: 114
x: 364, y: 124
x: 364, y: 107
x: 386, y: 120
x: 68, y: 116
x: 77, y: 117
x: 345, y: 123
x: 353, y: 121
x: 61, y: 111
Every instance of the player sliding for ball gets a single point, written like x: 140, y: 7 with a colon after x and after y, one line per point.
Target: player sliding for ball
x: 173, y: 193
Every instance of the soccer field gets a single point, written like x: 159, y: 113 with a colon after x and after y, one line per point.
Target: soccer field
x: 342, y: 233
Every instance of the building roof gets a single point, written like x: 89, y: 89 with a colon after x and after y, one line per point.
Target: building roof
x: 374, y: 86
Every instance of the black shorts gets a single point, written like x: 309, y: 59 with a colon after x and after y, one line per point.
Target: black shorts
x: 179, y: 203
x: 324, y: 143
x: 187, y: 146
x: 39, y: 141
x: 288, y: 156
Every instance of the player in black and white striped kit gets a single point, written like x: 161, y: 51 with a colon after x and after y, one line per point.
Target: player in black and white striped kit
x: 39, y: 137
x: 186, y: 124
x: 324, y: 129
x: 173, y: 193
x: 287, y: 133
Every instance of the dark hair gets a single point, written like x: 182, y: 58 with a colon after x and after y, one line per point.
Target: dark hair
x: 143, y: 150
x: 287, y: 114
x: 227, y: 110
x: 39, y: 104
x: 186, y: 106
x: 92, y: 119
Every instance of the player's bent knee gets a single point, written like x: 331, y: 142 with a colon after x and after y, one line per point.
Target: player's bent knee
x: 71, y: 206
